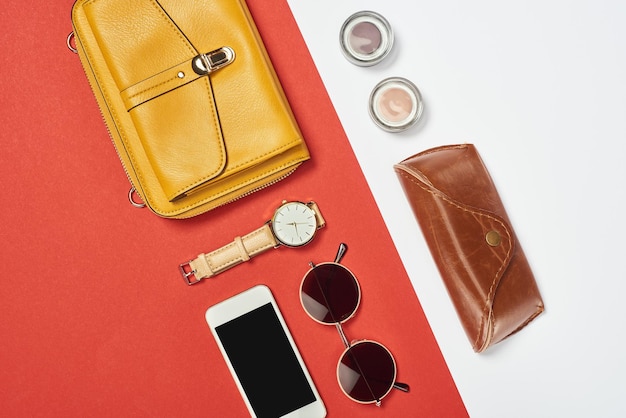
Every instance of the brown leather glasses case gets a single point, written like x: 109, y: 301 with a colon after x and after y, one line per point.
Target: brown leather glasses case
x: 472, y: 242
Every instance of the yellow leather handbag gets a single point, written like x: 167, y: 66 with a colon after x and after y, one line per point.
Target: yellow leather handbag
x: 190, y: 99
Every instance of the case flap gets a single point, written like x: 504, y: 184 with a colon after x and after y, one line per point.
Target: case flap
x: 172, y: 108
x: 471, y: 240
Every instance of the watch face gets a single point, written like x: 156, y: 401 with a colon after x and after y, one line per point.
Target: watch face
x: 294, y: 224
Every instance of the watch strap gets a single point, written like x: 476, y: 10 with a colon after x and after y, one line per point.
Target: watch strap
x: 321, y: 222
x: 241, y: 249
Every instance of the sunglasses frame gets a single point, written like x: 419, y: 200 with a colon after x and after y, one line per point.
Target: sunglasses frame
x: 355, y: 343
x: 349, y: 345
x: 358, y: 286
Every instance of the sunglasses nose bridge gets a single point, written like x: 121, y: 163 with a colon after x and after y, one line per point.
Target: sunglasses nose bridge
x: 342, y: 335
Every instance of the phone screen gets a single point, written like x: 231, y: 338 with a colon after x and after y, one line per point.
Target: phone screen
x: 265, y: 363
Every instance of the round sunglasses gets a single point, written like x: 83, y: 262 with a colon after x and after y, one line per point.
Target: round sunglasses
x: 330, y: 294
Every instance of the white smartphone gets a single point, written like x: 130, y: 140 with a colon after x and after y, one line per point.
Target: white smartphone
x: 262, y: 356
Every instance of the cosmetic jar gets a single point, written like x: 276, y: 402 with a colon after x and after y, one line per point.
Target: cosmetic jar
x: 366, y: 38
x: 395, y: 104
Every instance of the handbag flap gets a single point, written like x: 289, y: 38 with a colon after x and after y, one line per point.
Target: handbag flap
x: 472, y: 242
x: 172, y: 108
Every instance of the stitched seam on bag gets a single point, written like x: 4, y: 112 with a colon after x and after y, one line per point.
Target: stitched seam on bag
x: 260, y: 176
x: 217, y: 125
x: 280, y: 148
x: 152, y: 88
x: 493, y: 283
x: 147, y: 89
x: 226, y: 191
x: 285, y: 165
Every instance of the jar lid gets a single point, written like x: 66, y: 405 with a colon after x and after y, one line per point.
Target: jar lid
x: 395, y: 104
x: 366, y: 38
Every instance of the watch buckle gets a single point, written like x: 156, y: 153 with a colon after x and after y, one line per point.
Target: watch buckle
x: 188, y: 273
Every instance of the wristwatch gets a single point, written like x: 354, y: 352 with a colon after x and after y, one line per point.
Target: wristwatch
x: 294, y: 224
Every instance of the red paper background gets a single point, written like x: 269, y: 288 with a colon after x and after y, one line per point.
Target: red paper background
x: 95, y: 319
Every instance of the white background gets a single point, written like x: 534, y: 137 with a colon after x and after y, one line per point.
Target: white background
x: 538, y: 87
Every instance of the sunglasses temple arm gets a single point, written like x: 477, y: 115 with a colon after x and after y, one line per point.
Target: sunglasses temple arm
x: 401, y: 386
x: 341, y: 252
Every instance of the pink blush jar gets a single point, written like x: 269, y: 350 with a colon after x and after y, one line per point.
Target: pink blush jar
x: 366, y: 38
x: 395, y: 104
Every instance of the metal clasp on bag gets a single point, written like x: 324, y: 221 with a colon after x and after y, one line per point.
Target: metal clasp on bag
x: 205, y: 64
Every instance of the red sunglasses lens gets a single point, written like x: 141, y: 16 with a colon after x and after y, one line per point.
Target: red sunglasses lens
x: 366, y: 371
x: 330, y: 293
